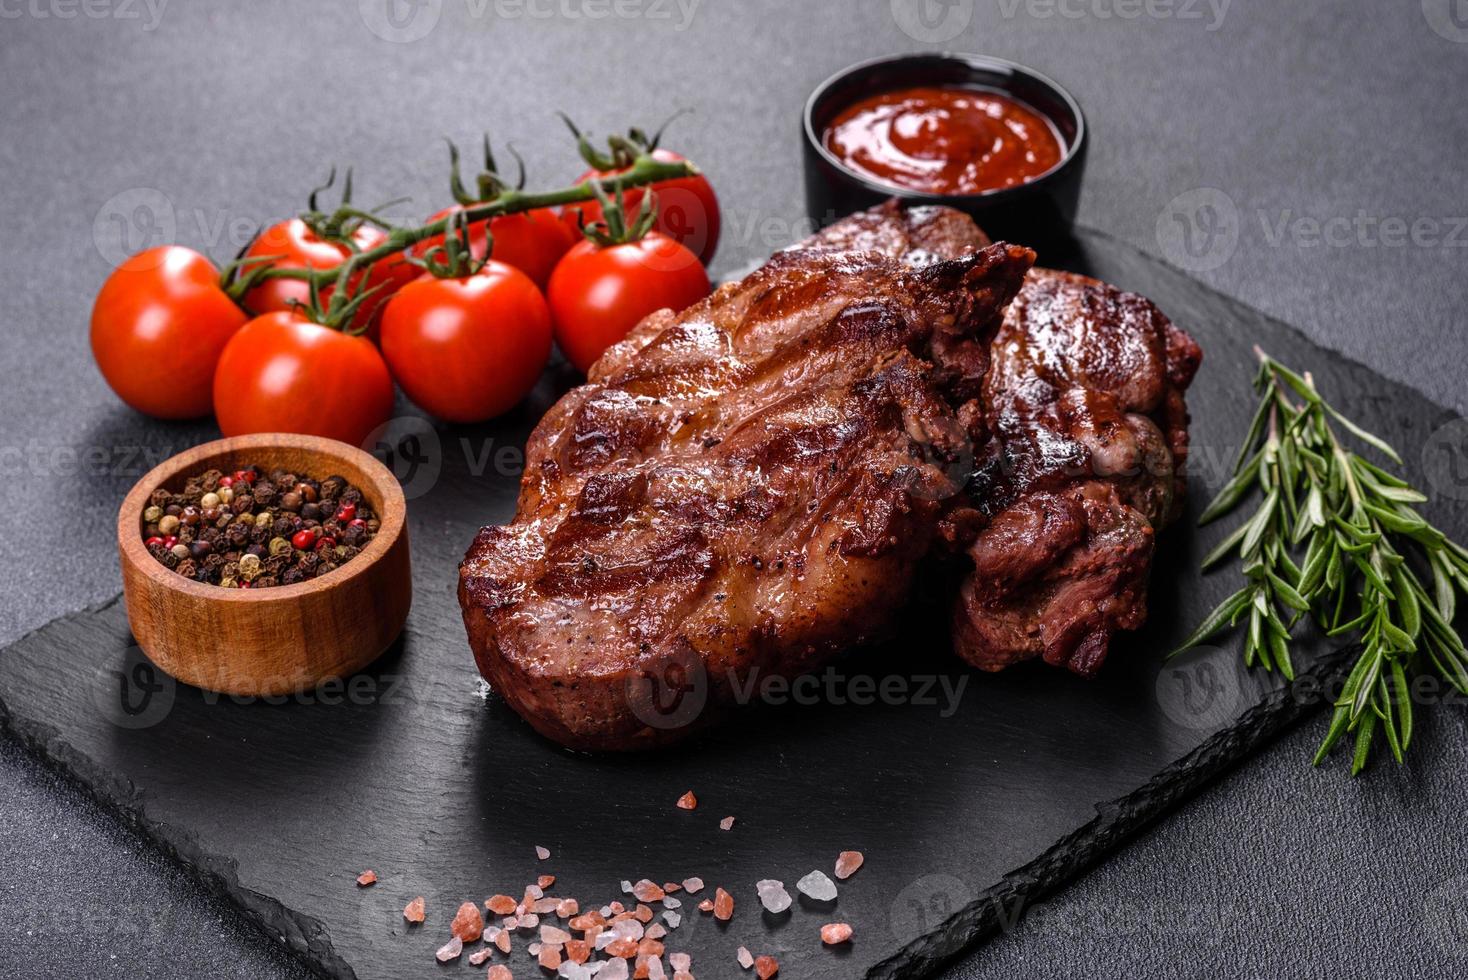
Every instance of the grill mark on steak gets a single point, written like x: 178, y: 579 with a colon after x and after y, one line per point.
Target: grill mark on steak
x: 746, y: 486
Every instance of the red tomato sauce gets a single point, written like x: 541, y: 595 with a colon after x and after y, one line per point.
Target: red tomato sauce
x: 944, y: 140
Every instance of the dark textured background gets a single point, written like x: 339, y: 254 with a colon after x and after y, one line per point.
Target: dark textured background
x: 221, y: 116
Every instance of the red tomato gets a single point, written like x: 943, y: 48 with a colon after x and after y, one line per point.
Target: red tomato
x: 597, y: 294
x: 468, y: 349
x: 532, y: 241
x: 158, y: 326
x: 687, y: 208
x: 283, y: 373
x: 301, y: 248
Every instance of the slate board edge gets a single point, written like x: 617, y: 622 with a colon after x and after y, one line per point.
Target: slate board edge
x: 1116, y: 822
x: 303, y: 935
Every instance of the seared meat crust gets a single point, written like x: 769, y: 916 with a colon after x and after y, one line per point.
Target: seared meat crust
x: 744, y: 487
x: 1084, y: 397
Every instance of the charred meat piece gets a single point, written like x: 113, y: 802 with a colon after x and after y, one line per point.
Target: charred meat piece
x: 1084, y: 398
x: 745, y: 487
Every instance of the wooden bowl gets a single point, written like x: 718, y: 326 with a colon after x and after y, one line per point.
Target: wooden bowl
x: 279, y: 640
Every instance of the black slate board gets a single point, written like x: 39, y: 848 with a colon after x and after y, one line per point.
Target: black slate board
x: 965, y: 816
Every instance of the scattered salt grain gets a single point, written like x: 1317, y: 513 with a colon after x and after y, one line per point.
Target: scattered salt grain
x: 673, y: 919
x: 567, y: 907
x: 772, y: 895
x: 647, y: 891
x: 723, y: 905
x: 727, y: 823
x: 655, y: 969
x: 744, y: 958
x: 847, y: 864
x: 500, y: 972
x: 541, y: 852
x: 413, y: 911
x: 500, y: 904
x: 669, y: 902
x: 817, y: 886
x: 478, y: 957
x: 687, y: 801
x: 766, y: 967
x: 554, y: 936
x: 468, y: 924
x: 450, y: 950
x: 707, y: 905
x: 657, y: 930
x: 502, y: 941
x: 626, y: 887
x: 366, y: 878
x: 671, y: 886
x: 545, y: 881
x: 835, y: 933
x: 692, y: 885
x: 550, y: 958
x: 613, y: 970
x: 680, y: 962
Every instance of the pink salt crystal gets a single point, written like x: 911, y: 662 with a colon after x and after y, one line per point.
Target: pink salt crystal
x: 835, y: 933
x: 727, y: 823
x: 478, y: 957
x: 367, y: 878
x: 450, y: 950
x: 550, y: 958
x: 656, y: 931
x: 655, y: 969
x: 687, y: 801
x: 502, y: 941
x: 746, y: 959
x: 413, y: 911
x: 567, y: 908
x: 544, y: 905
x: 847, y: 863
x: 647, y: 891
x: 554, y: 936
x: 680, y: 962
x: 541, y: 852
x: 500, y: 972
x: 693, y: 885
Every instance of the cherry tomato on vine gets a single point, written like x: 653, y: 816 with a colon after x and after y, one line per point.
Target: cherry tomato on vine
x: 688, y: 210
x: 283, y: 373
x: 471, y: 348
x: 531, y: 241
x: 299, y: 247
x: 598, y: 293
x: 158, y: 326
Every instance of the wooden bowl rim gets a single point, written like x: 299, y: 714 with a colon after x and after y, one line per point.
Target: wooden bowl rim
x: 129, y: 518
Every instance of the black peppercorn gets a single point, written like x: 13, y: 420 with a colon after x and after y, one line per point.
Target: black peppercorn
x: 239, y: 532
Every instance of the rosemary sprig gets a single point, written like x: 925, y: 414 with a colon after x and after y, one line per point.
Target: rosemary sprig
x: 1328, y: 540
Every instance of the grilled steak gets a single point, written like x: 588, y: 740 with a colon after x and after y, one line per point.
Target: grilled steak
x: 743, y: 488
x: 1084, y: 398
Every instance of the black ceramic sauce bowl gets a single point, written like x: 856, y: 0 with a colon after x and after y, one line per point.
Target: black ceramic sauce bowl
x: 1035, y: 213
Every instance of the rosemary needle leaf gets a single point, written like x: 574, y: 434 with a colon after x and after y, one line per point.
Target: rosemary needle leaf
x: 1336, y: 536
x: 1218, y: 620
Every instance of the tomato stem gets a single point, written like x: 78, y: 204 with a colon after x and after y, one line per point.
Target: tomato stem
x: 643, y: 171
